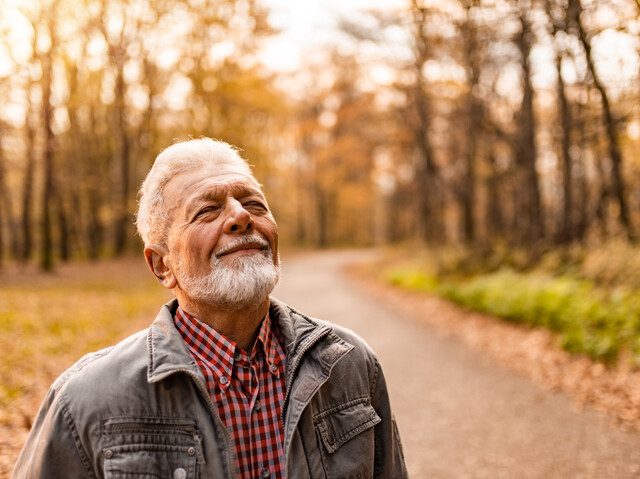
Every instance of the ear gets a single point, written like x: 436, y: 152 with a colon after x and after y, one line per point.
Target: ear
x: 156, y: 258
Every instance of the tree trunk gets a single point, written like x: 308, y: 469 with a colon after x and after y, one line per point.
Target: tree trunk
x: 494, y: 218
x: 1, y: 235
x: 582, y: 223
x: 64, y: 237
x: 322, y: 212
x: 47, y: 194
x: 95, y: 231
x: 121, y: 177
x: 609, y: 121
x: 95, y: 234
x: 474, y: 118
x: 77, y: 174
x: 526, y: 151
x: 602, y: 203
x: 566, y: 229
x: 8, y: 222
x: 301, y: 231
x: 27, y: 188
x: 4, y: 210
x: 566, y: 232
x: 428, y: 185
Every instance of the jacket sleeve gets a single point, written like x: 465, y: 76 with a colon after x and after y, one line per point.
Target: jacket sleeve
x: 389, y: 457
x: 53, y: 449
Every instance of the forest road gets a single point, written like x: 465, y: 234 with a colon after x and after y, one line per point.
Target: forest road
x: 460, y: 415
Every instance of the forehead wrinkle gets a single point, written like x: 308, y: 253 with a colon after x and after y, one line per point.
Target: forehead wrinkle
x: 236, y: 189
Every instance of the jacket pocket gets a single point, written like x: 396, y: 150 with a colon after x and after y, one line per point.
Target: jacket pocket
x: 146, y: 448
x: 347, y: 437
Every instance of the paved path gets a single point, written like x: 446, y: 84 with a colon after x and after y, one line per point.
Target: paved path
x: 460, y: 415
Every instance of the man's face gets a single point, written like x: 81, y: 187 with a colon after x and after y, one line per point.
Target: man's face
x: 222, y: 238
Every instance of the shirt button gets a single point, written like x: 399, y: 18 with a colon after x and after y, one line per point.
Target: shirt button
x: 191, y: 451
x: 224, y: 380
x: 273, y: 368
x: 258, y: 406
x: 237, y: 357
x: 179, y: 473
x: 265, y: 474
x: 108, y: 454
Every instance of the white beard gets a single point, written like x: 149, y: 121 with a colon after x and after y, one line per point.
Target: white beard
x: 232, y: 283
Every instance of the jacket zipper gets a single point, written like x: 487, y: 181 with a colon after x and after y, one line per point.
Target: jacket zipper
x: 294, y: 367
x: 123, y: 427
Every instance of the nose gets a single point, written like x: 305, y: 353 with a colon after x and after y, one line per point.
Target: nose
x: 238, y: 219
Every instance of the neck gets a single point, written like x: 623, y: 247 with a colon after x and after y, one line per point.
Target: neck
x: 239, y: 325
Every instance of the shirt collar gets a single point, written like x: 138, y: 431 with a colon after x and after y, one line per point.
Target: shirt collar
x: 219, y: 352
x: 206, y: 344
x: 273, y: 351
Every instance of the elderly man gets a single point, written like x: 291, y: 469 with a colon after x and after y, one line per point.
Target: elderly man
x: 227, y: 382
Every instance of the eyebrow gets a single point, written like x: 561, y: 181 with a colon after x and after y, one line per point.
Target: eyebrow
x: 215, y: 193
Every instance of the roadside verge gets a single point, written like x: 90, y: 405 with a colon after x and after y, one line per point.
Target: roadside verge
x: 531, y: 351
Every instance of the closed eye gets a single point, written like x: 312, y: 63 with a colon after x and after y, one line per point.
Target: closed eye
x: 255, y: 204
x: 206, y: 210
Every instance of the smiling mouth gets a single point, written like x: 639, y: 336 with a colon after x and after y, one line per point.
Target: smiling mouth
x: 244, y: 248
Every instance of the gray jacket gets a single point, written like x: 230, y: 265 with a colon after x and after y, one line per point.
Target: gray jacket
x: 141, y: 409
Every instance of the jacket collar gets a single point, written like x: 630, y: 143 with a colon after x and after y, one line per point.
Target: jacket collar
x: 301, y: 334
x: 168, y: 353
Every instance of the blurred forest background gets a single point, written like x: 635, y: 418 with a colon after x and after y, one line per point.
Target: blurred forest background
x: 512, y: 123
x: 494, y: 144
x: 499, y: 139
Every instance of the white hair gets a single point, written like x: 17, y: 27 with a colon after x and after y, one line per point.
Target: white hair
x: 151, y: 217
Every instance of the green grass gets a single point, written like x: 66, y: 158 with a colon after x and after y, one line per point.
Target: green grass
x: 589, y: 320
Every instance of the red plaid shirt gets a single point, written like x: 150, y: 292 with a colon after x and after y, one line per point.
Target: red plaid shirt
x: 249, y: 392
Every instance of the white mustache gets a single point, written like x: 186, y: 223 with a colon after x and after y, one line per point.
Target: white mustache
x: 242, y: 240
